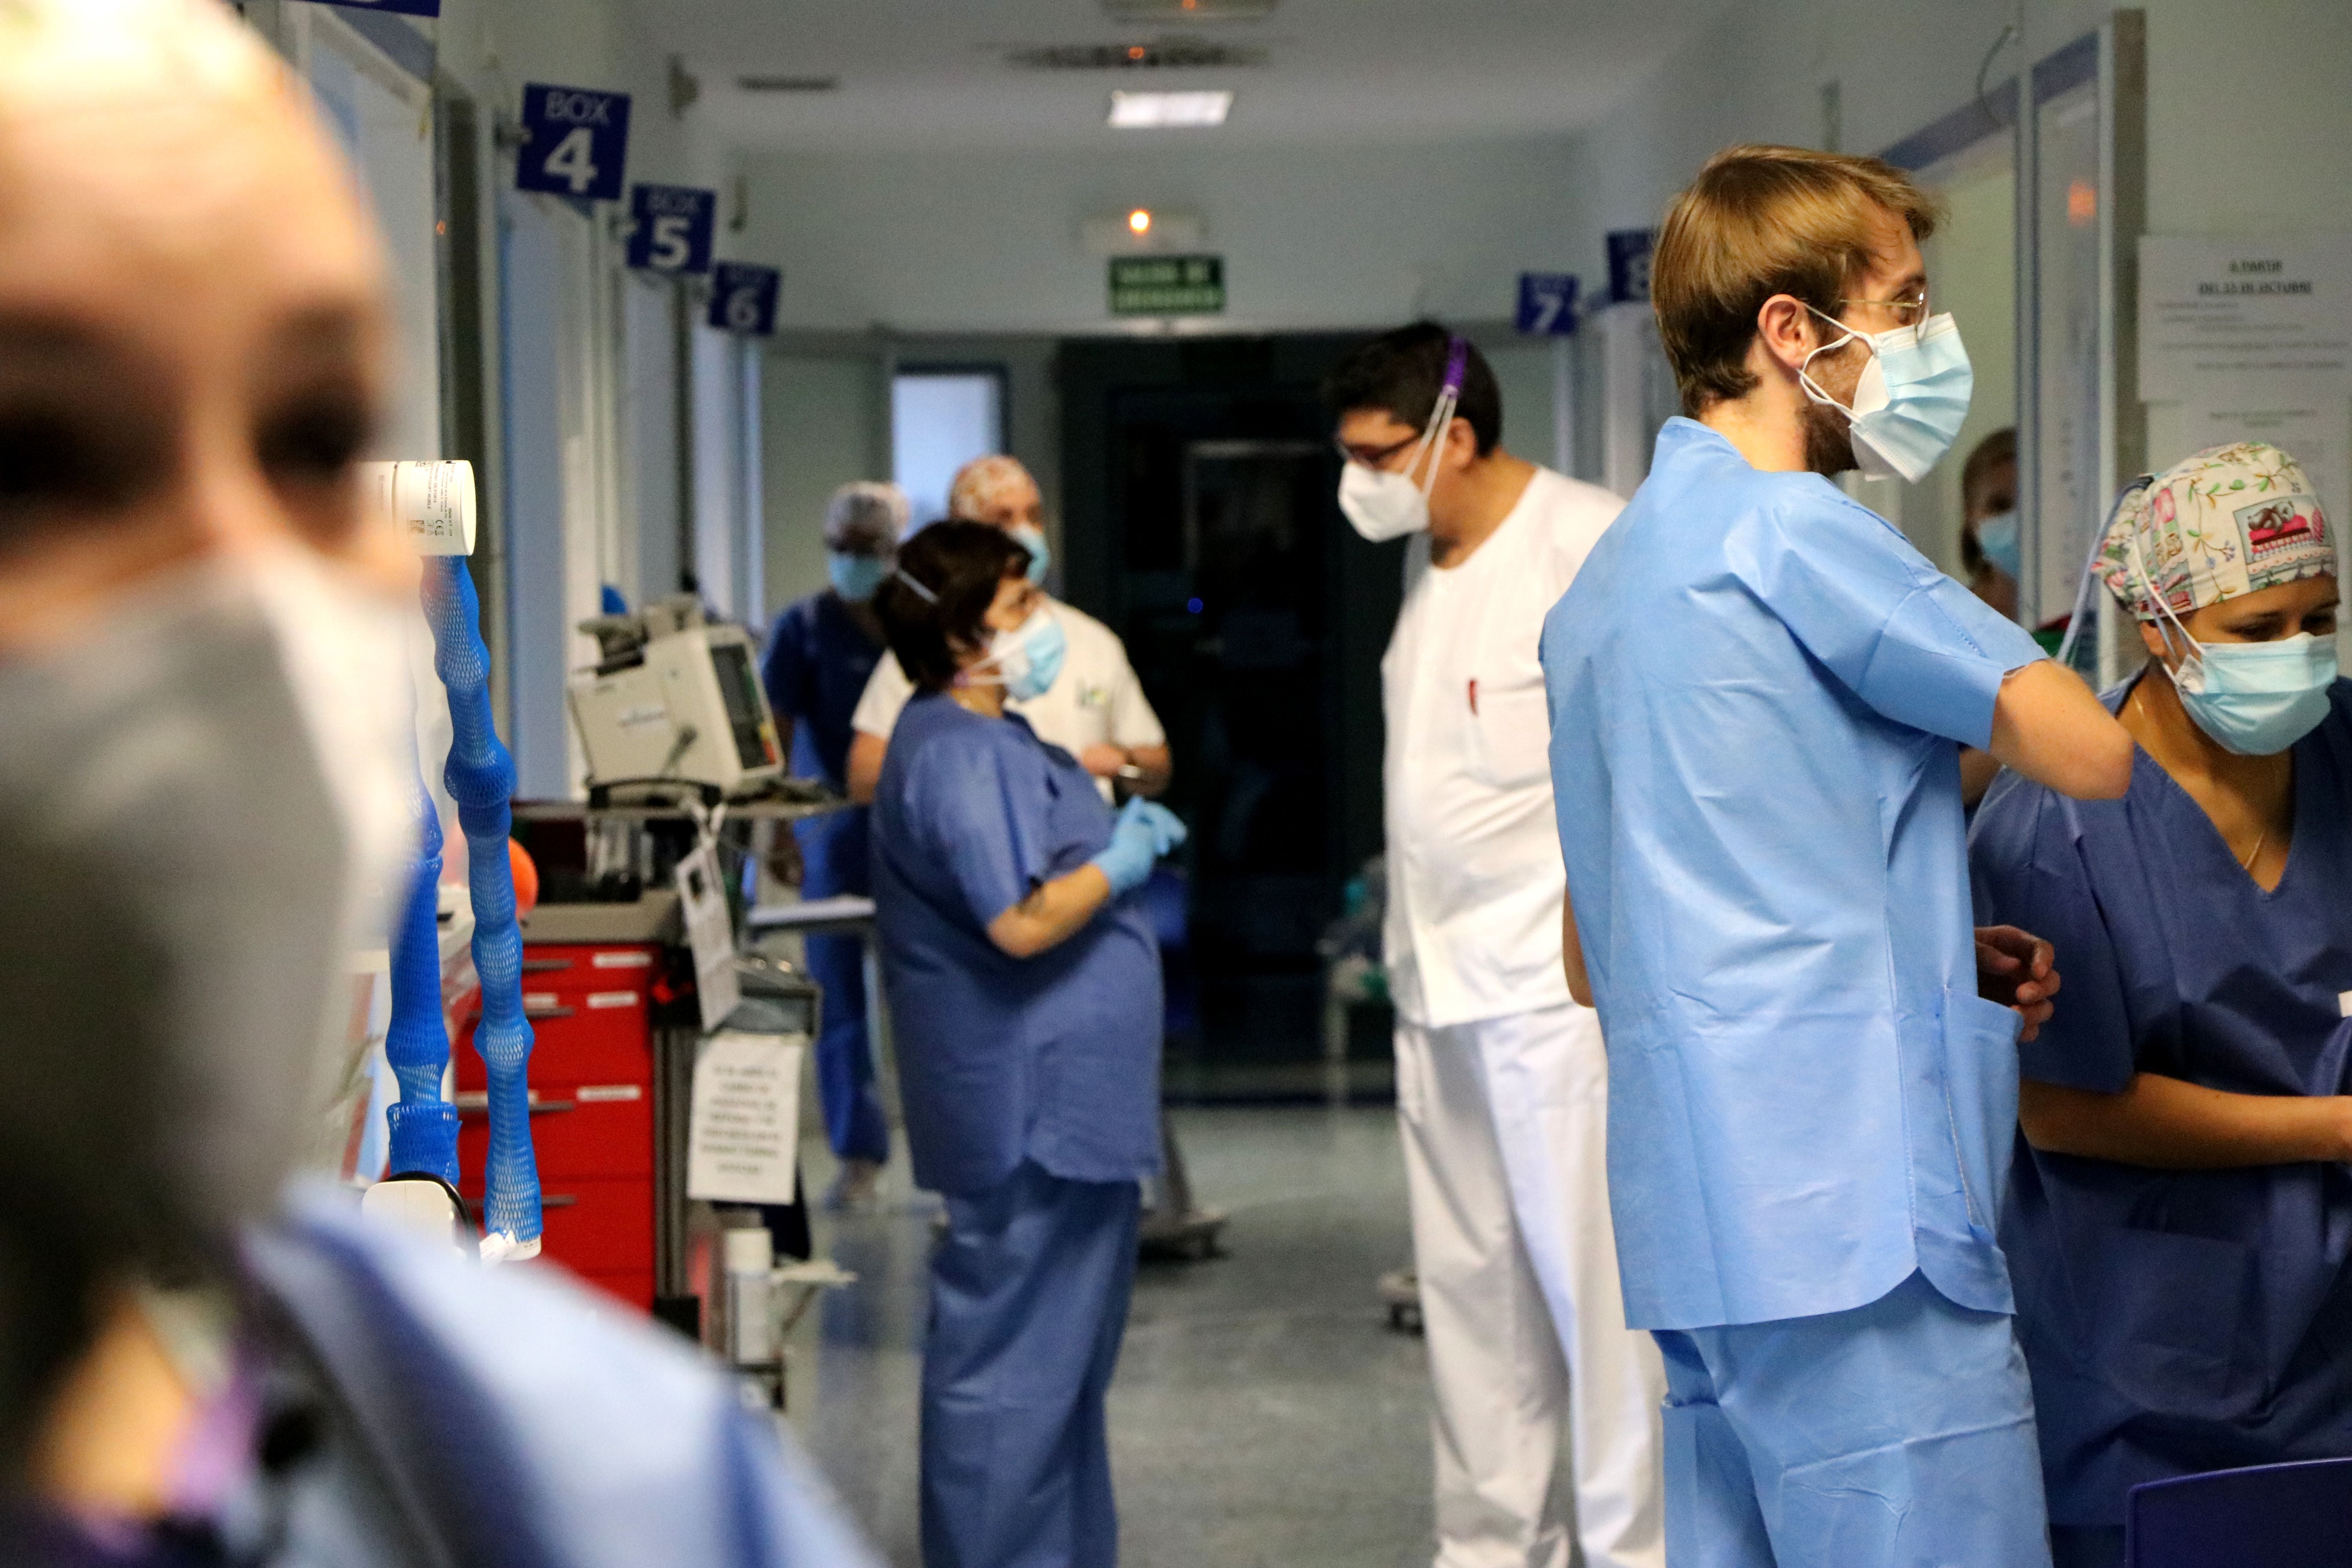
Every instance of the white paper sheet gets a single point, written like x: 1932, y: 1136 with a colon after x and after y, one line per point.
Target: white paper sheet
x: 745, y: 1124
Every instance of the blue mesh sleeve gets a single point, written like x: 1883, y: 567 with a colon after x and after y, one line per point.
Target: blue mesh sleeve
x: 480, y: 776
x: 422, y: 1125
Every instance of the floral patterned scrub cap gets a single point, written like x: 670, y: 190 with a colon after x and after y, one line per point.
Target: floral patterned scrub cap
x: 2227, y: 521
x: 985, y: 486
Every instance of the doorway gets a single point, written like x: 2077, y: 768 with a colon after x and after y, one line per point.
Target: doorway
x: 1200, y: 478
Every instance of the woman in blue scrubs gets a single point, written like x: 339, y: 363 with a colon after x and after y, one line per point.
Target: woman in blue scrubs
x: 1023, y: 983
x: 2180, y: 1213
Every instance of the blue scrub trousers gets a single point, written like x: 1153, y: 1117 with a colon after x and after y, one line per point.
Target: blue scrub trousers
x: 1896, y: 1435
x: 834, y: 858
x: 1029, y: 1294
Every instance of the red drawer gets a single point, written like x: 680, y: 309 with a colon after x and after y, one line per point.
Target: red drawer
x: 592, y: 1226
x: 589, y: 1041
x: 567, y: 972
x: 596, y: 1130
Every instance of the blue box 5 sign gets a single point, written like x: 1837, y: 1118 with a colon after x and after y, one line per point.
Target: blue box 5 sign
x: 579, y: 141
x: 673, y: 225
x: 743, y: 298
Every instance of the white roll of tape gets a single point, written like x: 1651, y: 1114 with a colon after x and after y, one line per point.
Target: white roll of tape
x: 433, y: 502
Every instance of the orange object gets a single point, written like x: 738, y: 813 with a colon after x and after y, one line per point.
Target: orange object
x: 526, y: 877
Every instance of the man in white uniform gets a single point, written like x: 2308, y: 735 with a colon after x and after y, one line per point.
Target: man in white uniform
x: 1502, y: 1090
x: 1095, y: 709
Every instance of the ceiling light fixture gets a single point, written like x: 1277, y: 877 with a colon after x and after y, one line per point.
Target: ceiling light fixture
x: 1162, y: 110
x: 1138, y: 221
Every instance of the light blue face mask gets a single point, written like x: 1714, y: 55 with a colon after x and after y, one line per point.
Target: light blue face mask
x: 2003, y: 546
x: 855, y: 578
x: 1032, y: 538
x: 1028, y: 657
x: 1911, y: 399
x: 2255, y: 699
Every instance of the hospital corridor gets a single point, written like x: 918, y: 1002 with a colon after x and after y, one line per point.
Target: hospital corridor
x: 1184, y: 784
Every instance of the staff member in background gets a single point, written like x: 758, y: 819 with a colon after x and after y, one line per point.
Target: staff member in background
x: 1991, y: 554
x: 204, y: 798
x: 820, y: 656
x: 1756, y: 692
x: 2180, y: 1217
x: 1501, y: 1078
x: 1096, y: 710
x: 1024, y: 986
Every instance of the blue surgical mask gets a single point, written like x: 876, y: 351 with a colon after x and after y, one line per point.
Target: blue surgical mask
x: 856, y: 578
x: 2002, y: 545
x: 1027, y: 658
x: 1911, y: 399
x: 1032, y: 538
x: 2255, y: 699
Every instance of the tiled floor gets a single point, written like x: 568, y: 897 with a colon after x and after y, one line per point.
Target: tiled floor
x: 1263, y: 1415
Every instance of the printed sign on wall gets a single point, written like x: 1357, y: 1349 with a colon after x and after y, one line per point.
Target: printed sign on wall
x: 1547, y: 304
x: 579, y: 141
x: 743, y: 298
x: 673, y: 227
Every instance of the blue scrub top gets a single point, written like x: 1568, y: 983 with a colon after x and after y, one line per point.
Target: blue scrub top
x: 818, y: 661
x: 1758, y: 689
x: 1054, y: 1058
x: 2180, y: 1320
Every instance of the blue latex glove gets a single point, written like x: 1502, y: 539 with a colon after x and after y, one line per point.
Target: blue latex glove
x: 1145, y: 831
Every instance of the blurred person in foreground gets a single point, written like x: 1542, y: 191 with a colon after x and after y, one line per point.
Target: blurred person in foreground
x: 2180, y: 1217
x: 203, y: 806
x: 820, y: 656
x: 1095, y: 709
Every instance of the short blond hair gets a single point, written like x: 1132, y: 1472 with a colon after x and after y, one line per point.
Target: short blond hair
x: 1759, y: 221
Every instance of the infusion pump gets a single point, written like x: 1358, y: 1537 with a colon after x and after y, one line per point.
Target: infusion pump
x: 674, y: 700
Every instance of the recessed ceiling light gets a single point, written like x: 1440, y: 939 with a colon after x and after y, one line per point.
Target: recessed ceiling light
x: 1138, y: 221
x: 1156, y: 110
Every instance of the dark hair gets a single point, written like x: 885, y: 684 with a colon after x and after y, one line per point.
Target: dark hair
x: 957, y: 566
x: 1759, y: 221
x: 1402, y: 373
x: 1988, y: 454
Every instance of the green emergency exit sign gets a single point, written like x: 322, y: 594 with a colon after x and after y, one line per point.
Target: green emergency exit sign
x: 1167, y: 285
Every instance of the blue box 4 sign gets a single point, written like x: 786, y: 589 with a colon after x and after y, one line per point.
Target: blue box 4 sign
x: 1547, y: 303
x: 743, y: 298
x: 406, y: 8
x: 579, y: 141
x: 673, y: 225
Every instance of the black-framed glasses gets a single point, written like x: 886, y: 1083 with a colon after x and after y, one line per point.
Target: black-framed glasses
x: 1371, y: 457
x: 1907, y: 313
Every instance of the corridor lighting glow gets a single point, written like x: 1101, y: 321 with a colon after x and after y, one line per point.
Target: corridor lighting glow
x: 1138, y: 221
x: 1158, y: 111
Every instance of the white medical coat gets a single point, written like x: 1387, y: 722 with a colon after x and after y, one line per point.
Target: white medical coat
x: 1474, y: 864
x: 1096, y: 701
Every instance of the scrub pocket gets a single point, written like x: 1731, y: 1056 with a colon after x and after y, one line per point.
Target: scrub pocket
x: 1980, y: 1091
x: 2174, y: 1320
x: 1514, y: 734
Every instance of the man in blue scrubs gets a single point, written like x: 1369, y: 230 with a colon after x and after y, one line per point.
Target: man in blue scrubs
x: 1759, y: 690
x: 821, y: 655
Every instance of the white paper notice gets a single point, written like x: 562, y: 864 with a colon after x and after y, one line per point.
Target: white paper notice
x: 2214, y: 313
x: 746, y: 1121
x: 711, y: 934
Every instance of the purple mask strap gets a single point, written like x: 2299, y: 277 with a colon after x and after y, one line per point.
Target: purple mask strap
x: 1456, y: 362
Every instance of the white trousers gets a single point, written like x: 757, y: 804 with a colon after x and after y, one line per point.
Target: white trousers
x: 1505, y: 1123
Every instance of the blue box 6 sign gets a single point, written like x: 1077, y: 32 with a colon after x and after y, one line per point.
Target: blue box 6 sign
x: 578, y: 142
x: 743, y: 298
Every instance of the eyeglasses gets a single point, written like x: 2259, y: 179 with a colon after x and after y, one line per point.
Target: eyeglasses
x: 1371, y: 457
x: 1907, y: 313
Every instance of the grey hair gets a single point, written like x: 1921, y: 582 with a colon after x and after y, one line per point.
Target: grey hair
x: 870, y: 508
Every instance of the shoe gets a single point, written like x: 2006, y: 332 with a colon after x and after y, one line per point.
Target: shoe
x: 856, y: 1186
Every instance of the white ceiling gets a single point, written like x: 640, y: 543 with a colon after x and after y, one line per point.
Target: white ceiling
x: 922, y: 74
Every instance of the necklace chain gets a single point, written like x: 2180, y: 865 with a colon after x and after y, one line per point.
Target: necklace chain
x: 2246, y: 862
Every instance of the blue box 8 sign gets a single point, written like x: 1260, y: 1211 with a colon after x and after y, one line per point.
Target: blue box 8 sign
x: 577, y: 142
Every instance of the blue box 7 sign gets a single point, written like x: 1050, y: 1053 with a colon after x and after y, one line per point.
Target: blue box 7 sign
x: 577, y: 142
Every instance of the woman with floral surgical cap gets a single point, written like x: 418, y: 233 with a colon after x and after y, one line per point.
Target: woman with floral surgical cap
x: 2180, y: 1213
